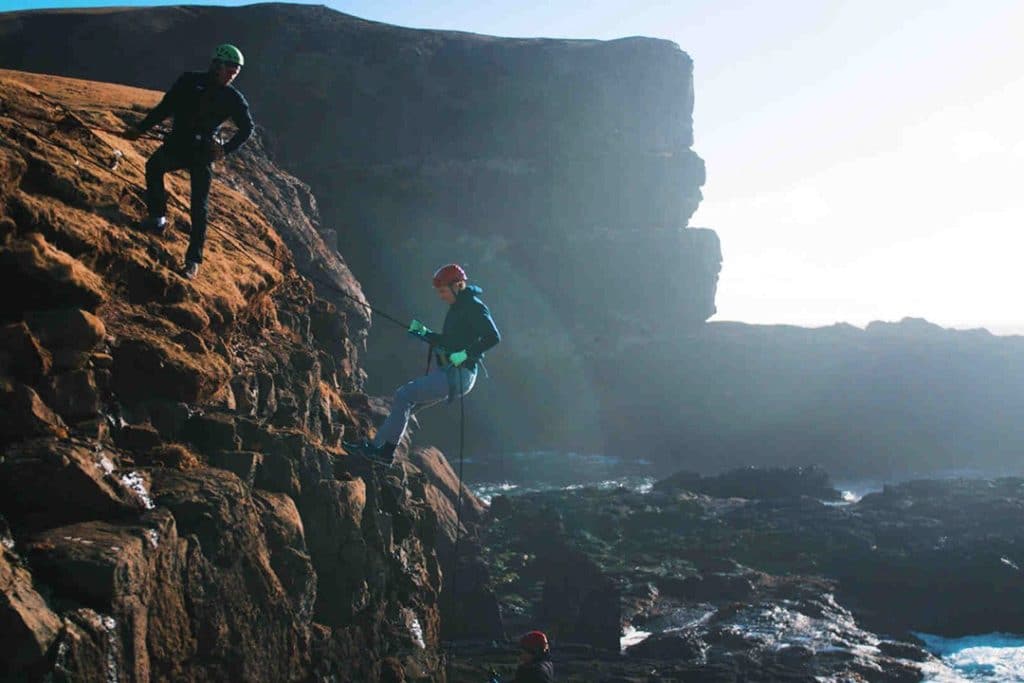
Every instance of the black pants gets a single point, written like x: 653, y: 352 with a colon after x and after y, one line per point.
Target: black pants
x: 174, y: 158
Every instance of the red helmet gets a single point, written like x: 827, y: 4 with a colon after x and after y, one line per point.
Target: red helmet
x: 449, y: 275
x: 534, y: 642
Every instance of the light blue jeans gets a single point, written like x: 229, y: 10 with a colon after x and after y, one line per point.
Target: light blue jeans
x: 423, y: 392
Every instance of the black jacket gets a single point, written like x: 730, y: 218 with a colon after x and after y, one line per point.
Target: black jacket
x: 541, y: 670
x: 199, y: 106
x: 468, y: 327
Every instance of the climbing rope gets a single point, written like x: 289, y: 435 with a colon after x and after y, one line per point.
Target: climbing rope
x: 458, y: 522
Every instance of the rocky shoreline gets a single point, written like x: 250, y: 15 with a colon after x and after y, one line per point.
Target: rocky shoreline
x: 756, y: 574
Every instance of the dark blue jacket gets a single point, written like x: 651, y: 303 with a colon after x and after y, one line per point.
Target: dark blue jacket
x: 199, y: 106
x: 468, y: 327
x: 540, y: 670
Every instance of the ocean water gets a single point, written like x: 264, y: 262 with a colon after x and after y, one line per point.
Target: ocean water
x: 989, y: 657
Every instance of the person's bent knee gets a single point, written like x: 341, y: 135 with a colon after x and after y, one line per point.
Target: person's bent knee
x: 402, y: 394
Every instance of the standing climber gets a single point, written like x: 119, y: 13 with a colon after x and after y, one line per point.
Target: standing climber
x: 199, y: 101
x: 468, y: 332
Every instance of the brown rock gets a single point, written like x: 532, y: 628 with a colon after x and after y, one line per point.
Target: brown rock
x: 188, y: 315
x: 74, y: 395
x: 171, y: 455
x: 67, y: 328
x: 155, y: 368
x: 277, y: 473
x: 212, y: 432
x: 248, y: 626
x: 45, y: 277
x: 69, y: 359
x: 287, y: 544
x: 21, y: 355
x: 12, y: 168
x: 139, y: 438
x: 23, y: 414
x: 102, y: 360
x: 28, y: 624
x: 244, y: 464
x: 334, y: 517
x: 440, y: 474
x: 130, y: 577
x: 85, y: 482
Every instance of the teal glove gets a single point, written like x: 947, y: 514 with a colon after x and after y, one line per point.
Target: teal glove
x: 458, y: 358
x: 418, y: 328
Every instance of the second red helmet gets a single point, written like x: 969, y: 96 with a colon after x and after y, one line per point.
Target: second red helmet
x: 449, y: 275
x: 534, y: 641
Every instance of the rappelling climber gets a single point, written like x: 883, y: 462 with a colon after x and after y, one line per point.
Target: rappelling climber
x: 199, y: 101
x: 535, y: 664
x: 468, y: 332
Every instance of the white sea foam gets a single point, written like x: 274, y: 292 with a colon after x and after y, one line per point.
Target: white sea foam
x: 631, y: 637
x: 989, y: 657
x: 136, y: 483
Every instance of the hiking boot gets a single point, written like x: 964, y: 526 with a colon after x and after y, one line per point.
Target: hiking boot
x: 190, y: 270
x: 154, y: 224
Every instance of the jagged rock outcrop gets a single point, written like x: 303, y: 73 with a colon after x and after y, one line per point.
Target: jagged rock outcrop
x: 560, y: 171
x: 174, y: 503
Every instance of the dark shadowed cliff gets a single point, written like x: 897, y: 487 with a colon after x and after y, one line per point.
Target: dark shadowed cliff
x: 562, y: 174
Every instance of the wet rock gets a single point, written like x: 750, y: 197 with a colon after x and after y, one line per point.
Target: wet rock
x: 579, y: 602
x: 756, y: 482
x: 36, y: 472
x: 24, y: 415
x: 675, y: 645
x: 21, y: 354
x: 899, y: 650
x: 501, y: 507
x: 709, y: 587
x: 88, y: 648
x: 72, y: 329
x: 28, y: 624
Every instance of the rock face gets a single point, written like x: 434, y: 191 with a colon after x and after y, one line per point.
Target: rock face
x: 560, y: 172
x: 174, y: 501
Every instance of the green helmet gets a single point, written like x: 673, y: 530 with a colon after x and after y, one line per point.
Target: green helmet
x: 229, y: 53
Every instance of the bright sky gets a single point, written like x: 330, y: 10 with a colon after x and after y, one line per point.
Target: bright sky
x: 864, y: 157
